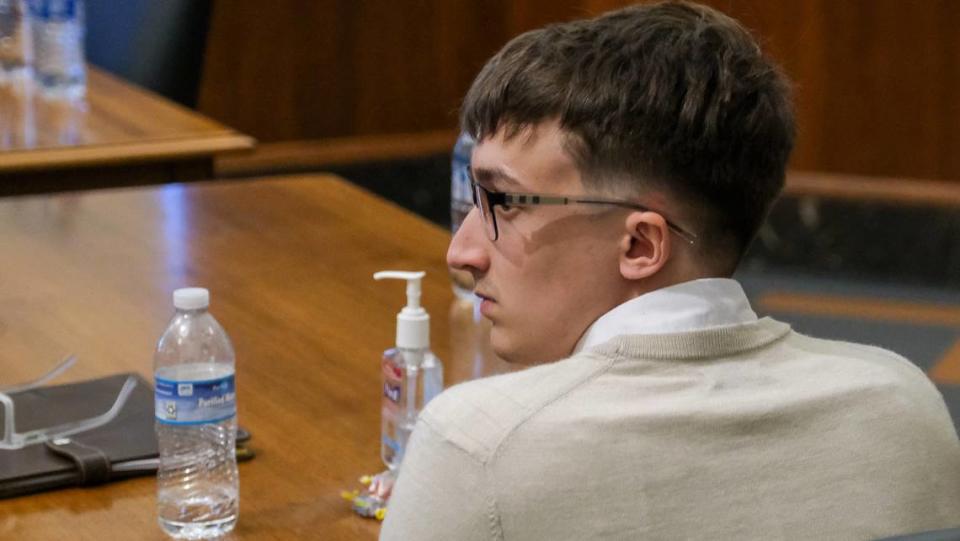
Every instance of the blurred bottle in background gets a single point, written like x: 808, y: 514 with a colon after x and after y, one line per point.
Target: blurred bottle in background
x: 17, y: 126
x: 461, y: 201
x: 16, y: 45
x: 58, y: 31
x: 471, y: 355
x: 62, y: 121
x: 18, y: 129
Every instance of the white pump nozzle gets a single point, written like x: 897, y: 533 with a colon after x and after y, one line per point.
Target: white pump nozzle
x: 413, y: 322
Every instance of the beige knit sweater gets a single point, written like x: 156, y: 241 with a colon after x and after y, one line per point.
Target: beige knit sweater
x: 745, y: 432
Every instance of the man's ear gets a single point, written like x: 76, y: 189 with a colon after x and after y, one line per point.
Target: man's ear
x: 645, y: 248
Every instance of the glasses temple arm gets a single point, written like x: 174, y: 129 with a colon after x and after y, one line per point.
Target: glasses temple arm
x: 62, y: 367
x: 15, y: 441
x: 685, y: 235
x: 689, y: 237
x: 8, y: 427
x: 87, y: 424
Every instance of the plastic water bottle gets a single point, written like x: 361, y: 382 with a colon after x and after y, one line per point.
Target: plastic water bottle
x: 16, y: 45
x: 58, y: 29
x: 461, y: 201
x: 197, y: 481
x: 17, y: 122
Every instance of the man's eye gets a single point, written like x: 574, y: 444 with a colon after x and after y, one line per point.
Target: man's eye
x: 508, y: 209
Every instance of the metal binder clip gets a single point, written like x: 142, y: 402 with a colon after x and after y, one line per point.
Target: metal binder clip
x: 16, y: 440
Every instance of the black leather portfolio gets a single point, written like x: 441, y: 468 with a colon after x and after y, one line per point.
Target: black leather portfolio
x: 124, y: 447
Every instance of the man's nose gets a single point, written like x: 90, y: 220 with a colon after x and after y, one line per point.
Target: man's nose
x: 467, y: 249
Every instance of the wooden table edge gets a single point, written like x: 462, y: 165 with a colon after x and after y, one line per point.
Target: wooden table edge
x: 155, y: 150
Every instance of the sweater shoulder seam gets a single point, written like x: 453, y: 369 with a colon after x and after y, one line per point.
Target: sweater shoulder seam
x: 610, y: 360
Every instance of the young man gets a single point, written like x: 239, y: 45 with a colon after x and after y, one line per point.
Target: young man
x: 623, y: 165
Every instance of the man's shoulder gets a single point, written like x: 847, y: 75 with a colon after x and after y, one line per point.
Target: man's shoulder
x: 478, y: 415
x: 879, y: 359
x: 872, y: 367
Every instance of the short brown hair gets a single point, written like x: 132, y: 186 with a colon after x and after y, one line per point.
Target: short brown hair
x: 673, y: 94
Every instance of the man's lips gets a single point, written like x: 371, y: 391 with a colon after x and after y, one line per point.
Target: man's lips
x: 484, y: 296
x: 486, y: 303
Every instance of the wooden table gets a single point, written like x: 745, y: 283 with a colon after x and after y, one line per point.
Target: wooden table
x: 288, y: 262
x: 121, y: 134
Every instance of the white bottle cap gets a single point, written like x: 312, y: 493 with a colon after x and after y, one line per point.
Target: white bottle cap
x: 413, y: 322
x: 191, y: 298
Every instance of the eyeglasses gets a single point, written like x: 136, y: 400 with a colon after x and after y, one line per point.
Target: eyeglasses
x: 13, y: 440
x: 487, y: 201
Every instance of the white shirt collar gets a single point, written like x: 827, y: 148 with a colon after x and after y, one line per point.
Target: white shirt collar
x: 690, y: 306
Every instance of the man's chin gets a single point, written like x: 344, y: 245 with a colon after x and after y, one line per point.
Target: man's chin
x: 515, y: 353
x: 509, y: 358
x: 503, y: 347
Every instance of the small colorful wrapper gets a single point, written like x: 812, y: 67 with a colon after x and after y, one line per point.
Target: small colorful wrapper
x: 371, y: 501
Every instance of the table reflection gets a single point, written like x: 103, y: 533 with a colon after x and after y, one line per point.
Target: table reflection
x: 17, y: 122
x: 23, y: 109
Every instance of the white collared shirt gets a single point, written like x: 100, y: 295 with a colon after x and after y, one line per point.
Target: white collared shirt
x: 691, y: 306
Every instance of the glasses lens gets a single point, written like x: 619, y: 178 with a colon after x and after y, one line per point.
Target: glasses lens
x: 482, y: 202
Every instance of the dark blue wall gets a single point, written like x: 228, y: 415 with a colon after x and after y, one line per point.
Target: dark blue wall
x: 155, y: 44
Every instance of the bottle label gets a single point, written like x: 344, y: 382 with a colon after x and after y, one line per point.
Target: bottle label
x: 391, y: 399
x: 195, y: 402
x: 54, y: 10
x: 392, y: 382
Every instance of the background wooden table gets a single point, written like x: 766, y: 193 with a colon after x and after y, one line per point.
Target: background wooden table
x: 121, y: 134
x: 289, y: 264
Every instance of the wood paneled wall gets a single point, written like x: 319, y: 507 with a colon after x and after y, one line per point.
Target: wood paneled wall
x: 305, y: 69
x: 876, y: 80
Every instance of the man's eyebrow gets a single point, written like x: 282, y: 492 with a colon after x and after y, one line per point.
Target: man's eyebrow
x: 495, y: 177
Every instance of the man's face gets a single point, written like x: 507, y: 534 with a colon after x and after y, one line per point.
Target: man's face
x: 554, y: 269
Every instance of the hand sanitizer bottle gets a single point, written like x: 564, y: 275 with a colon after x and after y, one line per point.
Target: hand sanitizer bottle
x: 412, y: 374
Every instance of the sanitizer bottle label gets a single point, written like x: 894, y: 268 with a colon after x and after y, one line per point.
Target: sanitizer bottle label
x: 391, y: 439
